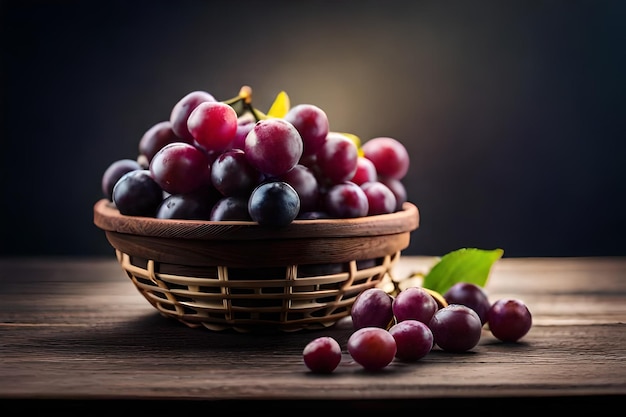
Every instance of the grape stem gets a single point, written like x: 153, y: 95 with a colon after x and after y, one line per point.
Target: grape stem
x: 244, y: 98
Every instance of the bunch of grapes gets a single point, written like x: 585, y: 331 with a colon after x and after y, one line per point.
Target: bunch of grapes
x: 226, y: 160
x: 409, y: 325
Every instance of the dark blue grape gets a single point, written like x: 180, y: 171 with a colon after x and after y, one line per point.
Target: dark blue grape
x: 274, y: 203
x: 231, y: 208
x: 192, y: 206
x: 137, y: 194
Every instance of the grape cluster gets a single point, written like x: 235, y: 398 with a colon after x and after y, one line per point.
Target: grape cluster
x: 226, y: 160
x: 408, y: 326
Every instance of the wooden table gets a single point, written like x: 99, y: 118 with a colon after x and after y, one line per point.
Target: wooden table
x: 75, y: 334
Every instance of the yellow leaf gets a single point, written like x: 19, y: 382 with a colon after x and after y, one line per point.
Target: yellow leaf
x: 281, y: 105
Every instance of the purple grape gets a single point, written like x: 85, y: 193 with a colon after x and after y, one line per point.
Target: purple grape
x: 372, y: 347
x: 312, y: 215
x: 471, y: 295
x: 304, y: 182
x: 380, y: 199
x: 337, y: 158
x: 157, y: 137
x: 346, y: 200
x: 389, y: 156
x: 191, y: 206
x: 232, y: 174
x: 274, y: 203
x: 365, y: 171
x: 456, y: 328
x: 322, y: 355
x: 372, y: 308
x: 414, y: 339
x: 414, y: 303
x: 273, y: 146
x: 509, y: 319
x: 312, y: 124
x: 230, y: 208
x: 183, y: 108
x: 114, y: 172
x: 244, y: 126
x: 137, y: 194
x: 397, y: 188
x: 213, y: 125
x: 180, y: 168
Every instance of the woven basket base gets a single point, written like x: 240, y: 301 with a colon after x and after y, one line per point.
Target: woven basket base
x: 289, y: 298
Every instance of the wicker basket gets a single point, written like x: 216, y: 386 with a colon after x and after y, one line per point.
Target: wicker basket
x: 243, y: 276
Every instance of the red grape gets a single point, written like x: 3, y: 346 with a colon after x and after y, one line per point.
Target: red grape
x: 397, y: 188
x: 322, y: 355
x: 380, y: 199
x: 509, y: 319
x: 372, y: 308
x: 244, y: 126
x: 389, y: 156
x: 414, y: 339
x: 180, y: 168
x: 456, y: 328
x: 183, y: 108
x: 471, y: 295
x: 414, y: 303
x: 372, y: 347
x: 337, y: 158
x: 273, y: 146
x: 365, y: 171
x: 213, y: 125
x: 157, y: 137
x: 346, y: 200
x: 312, y: 124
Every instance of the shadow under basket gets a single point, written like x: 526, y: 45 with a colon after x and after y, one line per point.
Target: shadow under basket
x: 243, y: 276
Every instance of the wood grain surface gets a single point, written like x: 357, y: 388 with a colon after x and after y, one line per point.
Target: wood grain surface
x: 76, y: 330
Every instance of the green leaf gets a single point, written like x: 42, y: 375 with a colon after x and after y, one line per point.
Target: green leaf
x: 462, y: 265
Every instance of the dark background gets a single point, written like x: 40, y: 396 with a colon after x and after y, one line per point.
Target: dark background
x: 513, y: 111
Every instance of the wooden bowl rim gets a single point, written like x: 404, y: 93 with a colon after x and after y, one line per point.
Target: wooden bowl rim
x: 108, y: 218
